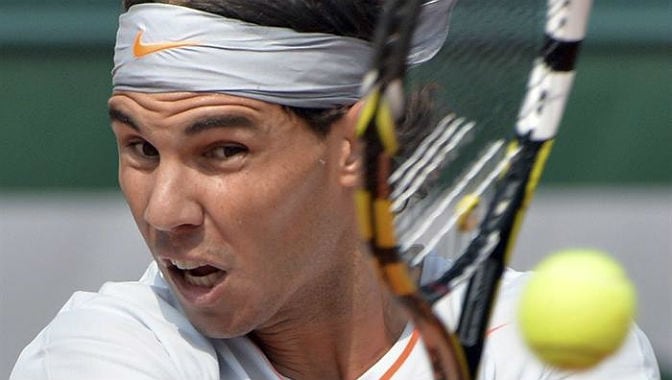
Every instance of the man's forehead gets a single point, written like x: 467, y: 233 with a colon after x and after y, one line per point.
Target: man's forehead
x: 191, y: 112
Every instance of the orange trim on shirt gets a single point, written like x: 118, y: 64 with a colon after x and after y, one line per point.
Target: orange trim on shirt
x: 493, y: 329
x: 402, y: 358
x: 409, y: 348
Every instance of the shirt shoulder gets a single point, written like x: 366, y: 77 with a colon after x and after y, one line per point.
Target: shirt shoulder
x: 129, y: 330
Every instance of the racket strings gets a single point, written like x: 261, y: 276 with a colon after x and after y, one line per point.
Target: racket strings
x: 432, y: 158
x: 438, y: 232
x: 437, y: 134
x: 436, y: 206
x: 483, y: 69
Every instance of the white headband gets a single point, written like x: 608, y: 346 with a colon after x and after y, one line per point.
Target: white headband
x: 165, y: 48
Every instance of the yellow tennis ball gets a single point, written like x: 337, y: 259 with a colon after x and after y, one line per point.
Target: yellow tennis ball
x: 576, y: 308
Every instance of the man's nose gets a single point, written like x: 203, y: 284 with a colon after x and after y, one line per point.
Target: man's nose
x: 173, y: 202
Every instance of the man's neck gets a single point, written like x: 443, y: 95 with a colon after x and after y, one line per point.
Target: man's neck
x: 343, y: 335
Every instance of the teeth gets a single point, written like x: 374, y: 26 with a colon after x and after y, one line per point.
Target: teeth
x: 187, y: 265
x: 206, y: 281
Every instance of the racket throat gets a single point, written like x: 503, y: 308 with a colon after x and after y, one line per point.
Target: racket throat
x: 476, y: 311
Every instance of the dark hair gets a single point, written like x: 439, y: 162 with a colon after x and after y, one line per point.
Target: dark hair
x: 351, y: 18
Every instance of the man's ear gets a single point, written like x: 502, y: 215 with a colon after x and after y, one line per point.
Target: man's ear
x: 351, y: 153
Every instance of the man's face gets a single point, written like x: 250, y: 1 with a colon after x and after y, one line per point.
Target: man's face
x: 247, y: 212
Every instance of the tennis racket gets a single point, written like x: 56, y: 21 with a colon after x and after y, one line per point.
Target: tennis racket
x: 457, y: 189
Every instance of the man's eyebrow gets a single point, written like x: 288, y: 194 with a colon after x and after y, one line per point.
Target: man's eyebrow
x: 220, y: 121
x: 116, y: 115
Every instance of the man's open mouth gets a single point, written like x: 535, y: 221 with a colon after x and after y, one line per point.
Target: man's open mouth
x: 197, y: 273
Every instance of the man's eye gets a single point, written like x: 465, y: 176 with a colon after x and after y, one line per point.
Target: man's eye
x: 144, y: 149
x: 226, y: 152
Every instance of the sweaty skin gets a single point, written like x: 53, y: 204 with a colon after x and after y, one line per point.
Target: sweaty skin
x: 245, y: 191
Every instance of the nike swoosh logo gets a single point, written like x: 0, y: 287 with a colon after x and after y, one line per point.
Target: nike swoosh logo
x: 141, y: 49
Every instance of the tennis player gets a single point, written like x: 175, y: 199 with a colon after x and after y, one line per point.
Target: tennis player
x: 235, y: 126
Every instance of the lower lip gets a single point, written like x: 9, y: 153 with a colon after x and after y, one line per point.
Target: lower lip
x: 195, y: 295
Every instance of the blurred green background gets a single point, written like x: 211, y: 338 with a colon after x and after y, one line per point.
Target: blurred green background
x: 56, y: 56
x: 54, y: 82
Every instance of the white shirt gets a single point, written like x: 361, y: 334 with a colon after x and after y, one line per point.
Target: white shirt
x: 136, y: 331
